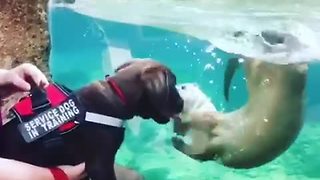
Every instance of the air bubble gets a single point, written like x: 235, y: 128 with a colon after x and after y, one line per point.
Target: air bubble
x: 208, y: 67
x: 210, y: 49
x: 241, y: 60
x: 266, y: 82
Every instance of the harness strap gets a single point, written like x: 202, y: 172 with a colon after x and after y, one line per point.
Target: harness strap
x: 39, y: 100
x: 102, y: 119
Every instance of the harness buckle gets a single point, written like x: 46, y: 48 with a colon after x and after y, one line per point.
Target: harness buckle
x: 39, y: 100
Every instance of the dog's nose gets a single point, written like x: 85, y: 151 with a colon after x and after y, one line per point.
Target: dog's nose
x: 180, y: 104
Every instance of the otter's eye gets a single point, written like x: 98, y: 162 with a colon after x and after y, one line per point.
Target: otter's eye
x: 183, y: 87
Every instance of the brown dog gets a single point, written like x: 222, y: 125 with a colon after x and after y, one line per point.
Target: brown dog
x: 139, y: 88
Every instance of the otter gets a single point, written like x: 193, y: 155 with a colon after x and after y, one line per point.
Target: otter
x: 256, y: 133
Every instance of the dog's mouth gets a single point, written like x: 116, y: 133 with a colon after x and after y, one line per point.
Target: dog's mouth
x: 176, y: 117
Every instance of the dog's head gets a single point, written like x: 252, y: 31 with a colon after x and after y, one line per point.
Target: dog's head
x: 150, y: 89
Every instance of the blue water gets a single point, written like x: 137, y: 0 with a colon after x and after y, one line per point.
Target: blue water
x: 80, y: 55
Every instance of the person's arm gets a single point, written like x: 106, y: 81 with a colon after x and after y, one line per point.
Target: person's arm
x: 15, y: 170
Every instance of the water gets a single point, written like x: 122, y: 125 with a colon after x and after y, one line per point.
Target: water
x: 218, y: 21
x: 86, y: 48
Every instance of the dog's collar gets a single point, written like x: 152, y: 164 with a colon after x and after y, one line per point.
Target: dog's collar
x: 116, y: 88
x: 108, y: 120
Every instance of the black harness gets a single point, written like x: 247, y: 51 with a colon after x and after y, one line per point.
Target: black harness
x: 50, y: 113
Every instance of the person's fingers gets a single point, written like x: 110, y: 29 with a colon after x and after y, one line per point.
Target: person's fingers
x: 80, y: 167
x: 12, y: 83
x: 20, y: 79
x: 19, y: 83
x: 31, y: 71
x: 3, y: 77
x: 80, y: 170
x: 74, y: 172
x: 39, y: 78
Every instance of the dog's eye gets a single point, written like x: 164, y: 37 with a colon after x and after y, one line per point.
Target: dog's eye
x: 183, y: 87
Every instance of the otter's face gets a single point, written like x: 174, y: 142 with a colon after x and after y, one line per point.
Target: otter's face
x: 187, y: 92
x: 194, y: 98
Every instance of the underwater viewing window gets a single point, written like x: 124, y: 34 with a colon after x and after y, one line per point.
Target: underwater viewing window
x: 195, y: 40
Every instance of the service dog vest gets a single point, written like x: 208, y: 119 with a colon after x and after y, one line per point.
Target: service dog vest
x: 51, y: 113
x: 43, y: 112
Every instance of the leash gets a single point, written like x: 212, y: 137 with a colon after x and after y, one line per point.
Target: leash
x: 58, y: 174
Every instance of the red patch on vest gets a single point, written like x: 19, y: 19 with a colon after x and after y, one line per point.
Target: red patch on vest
x: 55, y: 96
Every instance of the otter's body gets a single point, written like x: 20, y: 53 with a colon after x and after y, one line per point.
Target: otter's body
x: 259, y: 131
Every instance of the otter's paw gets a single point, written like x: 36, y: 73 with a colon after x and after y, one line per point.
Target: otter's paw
x: 179, y: 144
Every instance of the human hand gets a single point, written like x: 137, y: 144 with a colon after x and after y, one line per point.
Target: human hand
x: 74, y: 172
x: 20, y: 79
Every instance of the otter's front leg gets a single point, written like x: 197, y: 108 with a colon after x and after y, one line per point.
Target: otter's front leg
x: 201, y: 120
x: 188, y: 150
x: 123, y: 173
x: 201, y: 125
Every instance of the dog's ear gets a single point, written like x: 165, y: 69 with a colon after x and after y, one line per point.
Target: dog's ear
x: 121, y: 67
x: 158, y: 82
